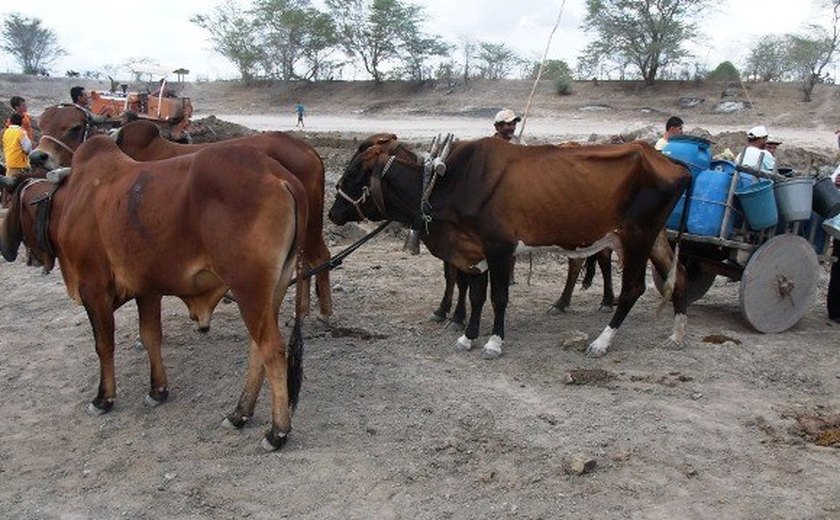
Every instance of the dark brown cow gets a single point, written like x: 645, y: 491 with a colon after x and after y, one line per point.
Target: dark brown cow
x: 497, y: 199
x: 225, y: 218
x: 452, y: 277
x: 65, y: 127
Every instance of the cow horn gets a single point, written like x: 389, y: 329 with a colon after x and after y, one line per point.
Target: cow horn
x: 58, y: 175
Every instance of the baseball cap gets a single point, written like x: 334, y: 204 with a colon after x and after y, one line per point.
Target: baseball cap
x: 506, y: 116
x: 773, y: 140
x: 757, y: 132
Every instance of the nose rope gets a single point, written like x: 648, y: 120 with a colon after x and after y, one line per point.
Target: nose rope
x: 56, y: 141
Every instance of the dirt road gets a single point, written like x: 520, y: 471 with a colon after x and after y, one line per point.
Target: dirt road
x: 393, y: 423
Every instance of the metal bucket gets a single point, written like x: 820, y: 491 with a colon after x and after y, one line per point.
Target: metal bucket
x: 826, y: 198
x: 793, y: 198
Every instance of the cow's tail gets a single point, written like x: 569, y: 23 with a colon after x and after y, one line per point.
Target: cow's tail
x: 294, y: 356
x: 671, y: 280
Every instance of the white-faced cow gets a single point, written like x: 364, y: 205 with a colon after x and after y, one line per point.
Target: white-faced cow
x: 225, y: 218
x: 498, y: 199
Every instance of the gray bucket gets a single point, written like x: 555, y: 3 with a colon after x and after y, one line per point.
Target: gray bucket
x: 793, y: 197
x: 826, y: 198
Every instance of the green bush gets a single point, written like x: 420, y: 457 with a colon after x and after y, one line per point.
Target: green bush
x: 563, y: 85
x: 726, y: 71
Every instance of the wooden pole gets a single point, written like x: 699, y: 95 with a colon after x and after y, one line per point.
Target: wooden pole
x: 539, y: 72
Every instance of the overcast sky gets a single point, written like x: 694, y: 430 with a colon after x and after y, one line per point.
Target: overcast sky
x: 96, y: 34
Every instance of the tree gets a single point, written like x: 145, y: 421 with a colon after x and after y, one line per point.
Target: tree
x: 232, y: 33
x: 553, y: 69
x: 377, y: 31
x: 811, y: 52
x: 768, y: 59
x: 649, y: 34
x: 495, y: 60
x: 293, y: 32
x: 33, y: 46
x: 726, y: 71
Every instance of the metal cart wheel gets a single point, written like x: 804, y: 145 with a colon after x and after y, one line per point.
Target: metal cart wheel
x: 698, y: 281
x: 778, y: 283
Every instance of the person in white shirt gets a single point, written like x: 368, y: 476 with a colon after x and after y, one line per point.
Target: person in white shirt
x: 755, y: 155
x: 674, y: 126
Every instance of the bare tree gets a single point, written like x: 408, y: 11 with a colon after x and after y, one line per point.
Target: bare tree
x: 33, y: 46
x: 768, y: 59
x: 811, y: 52
x: 495, y: 60
x: 648, y: 34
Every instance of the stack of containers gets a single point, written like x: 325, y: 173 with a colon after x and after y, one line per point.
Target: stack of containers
x: 696, y: 152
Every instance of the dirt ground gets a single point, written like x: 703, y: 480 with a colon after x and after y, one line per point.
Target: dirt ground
x: 393, y: 423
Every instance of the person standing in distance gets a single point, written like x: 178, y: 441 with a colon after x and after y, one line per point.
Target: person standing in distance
x: 674, y: 126
x: 299, y: 108
x: 505, y: 125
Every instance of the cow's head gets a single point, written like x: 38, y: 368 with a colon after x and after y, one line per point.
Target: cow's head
x: 63, y: 129
x: 354, y: 200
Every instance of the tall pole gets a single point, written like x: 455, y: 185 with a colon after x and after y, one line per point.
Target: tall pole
x: 540, y: 70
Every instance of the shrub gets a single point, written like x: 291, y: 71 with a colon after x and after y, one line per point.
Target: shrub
x: 726, y: 71
x: 563, y: 85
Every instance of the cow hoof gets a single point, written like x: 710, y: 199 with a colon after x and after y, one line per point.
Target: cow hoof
x: 138, y: 345
x: 463, y: 344
x: 454, y: 325
x: 437, y: 317
x: 93, y: 409
x: 672, y: 344
x: 605, y: 308
x: 555, y: 310
x: 324, y: 318
x: 594, y: 350
x: 156, y: 397
x: 204, y: 329
x: 493, y: 348
x: 274, y: 440
x: 232, y: 422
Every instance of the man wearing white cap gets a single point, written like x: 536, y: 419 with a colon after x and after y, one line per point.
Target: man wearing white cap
x: 505, y: 124
x: 755, y: 156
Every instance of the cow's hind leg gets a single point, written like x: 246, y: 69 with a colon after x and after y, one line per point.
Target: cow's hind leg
x: 478, y: 295
x: 565, y: 299
x: 450, y: 274
x: 604, y: 258
x: 456, y: 321
x: 100, y: 312
x: 253, y: 384
x: 148, y: 308
x: 662, y: 258
x: 320, y: 254
x: 632, y: 287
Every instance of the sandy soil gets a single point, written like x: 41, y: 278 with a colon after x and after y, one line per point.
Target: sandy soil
x: 393, y: 423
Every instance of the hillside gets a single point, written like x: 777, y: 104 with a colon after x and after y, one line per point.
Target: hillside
x: 773, y: 104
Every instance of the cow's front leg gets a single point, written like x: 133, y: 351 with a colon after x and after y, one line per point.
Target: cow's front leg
x: 478, y: 295
x: 100, y: 312
x: 148, y: 309
x: 500, y: 269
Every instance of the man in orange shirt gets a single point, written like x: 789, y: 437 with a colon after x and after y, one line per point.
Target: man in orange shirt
x: 18, y: 105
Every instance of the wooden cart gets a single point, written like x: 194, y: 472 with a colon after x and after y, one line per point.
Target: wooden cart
x: 777, y: 268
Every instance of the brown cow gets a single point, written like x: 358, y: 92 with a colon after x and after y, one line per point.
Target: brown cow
x: 497, y: 199
x: 225, y: 218
x: 452, y: 277
x: 65, y: 127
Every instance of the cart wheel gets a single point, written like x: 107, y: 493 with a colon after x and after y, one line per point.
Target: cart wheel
x: 778, y: 283
x: 698, y: 281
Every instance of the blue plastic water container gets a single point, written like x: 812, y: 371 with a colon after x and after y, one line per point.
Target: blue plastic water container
x: 708, y: 203
x: 759, y: 205
x: 696, y: 152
